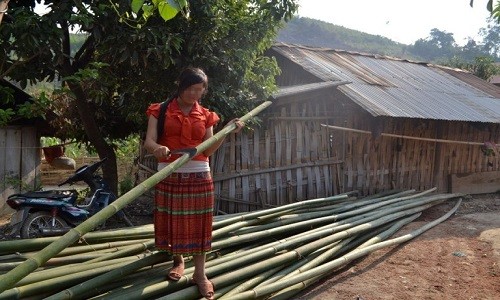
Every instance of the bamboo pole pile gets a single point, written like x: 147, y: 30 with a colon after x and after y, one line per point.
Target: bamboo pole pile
x: 267, y: 254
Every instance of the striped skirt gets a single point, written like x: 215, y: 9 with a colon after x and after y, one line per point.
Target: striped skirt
x: 184, y: 213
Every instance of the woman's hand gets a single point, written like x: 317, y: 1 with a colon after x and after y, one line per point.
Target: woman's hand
x: 239, y: 125
x: 161, y: 151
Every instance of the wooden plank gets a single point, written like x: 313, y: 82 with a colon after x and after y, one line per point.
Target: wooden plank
x: 475, y: 183
x: 288, y: 161
x: 299, y: 153
x: 12, y: 165
x: 3, y: 157
x: 30, y: 157
x: 267, y: 176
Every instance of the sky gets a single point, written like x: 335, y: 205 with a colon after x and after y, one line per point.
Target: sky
x: 402, y: 21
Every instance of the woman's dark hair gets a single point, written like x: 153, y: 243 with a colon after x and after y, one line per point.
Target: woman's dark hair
x: 190, y: 76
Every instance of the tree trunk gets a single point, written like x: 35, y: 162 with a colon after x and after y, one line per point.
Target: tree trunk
x: 96, y: 139
x: 109, y: 169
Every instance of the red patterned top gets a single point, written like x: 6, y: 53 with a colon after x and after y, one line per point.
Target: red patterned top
x: 183, y: 131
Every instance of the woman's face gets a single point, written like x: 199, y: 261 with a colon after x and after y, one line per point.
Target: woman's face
x: 193, y: 93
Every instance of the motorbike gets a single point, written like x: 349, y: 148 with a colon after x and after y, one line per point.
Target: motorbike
x: 55, y: 212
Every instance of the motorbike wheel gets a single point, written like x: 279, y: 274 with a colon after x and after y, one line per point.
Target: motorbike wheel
x: 40, y: 220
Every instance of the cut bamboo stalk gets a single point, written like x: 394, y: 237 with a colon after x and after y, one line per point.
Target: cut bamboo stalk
x: 130, y: 250
x: 69, y: 269
x: 259, y: 213
x: 330, y: 253
x: 236, y: 256
x: 72, y: 293
x: 140, y: 232
x: 298, y: 264
x: 248, y: 284
x: 328, y: 267
x: 246, y: 272
x: 53, y: 284
x: 405, y: 136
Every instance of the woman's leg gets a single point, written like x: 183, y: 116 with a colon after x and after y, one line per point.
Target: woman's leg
x: 205, y: 286
x: 177, y: 270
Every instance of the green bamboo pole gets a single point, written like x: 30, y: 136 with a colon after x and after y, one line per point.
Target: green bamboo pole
x: 69, y: 269
x: 94, y: 247
x: 233, y: 240
x: 290, y: 291
x: 250, y: 283
x: 121, y: 283
x: 263, y: 212
x: 130, y: 250
x: 36, y: 244
x: 165, y: 287
x: 53, y: 284
x: 327, y: 255
x: 229, y: 228
x: 72, y: 292
x: 104, y: 284
x: 8, y: 280
x: 274, y: 287
x: 214, y: 267
x: 434, y: 198
x: 244, y: 272
x: 328, y: 250
x: 272, y: 274
x: 293, y: 290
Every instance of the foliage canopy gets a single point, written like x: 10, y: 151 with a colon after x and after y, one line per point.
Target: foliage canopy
x: 122, y: 67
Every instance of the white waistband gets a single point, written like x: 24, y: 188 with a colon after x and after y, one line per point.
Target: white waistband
x: 192, y: 166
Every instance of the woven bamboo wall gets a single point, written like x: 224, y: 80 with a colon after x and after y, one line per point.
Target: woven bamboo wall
x: 375, y: 164
x: 288, y: 159
x: 292, y: 157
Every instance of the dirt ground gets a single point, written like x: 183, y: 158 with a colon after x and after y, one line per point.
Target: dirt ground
x: 457, y: 259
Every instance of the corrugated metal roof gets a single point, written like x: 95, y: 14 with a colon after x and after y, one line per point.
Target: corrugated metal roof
x: 386, y: 86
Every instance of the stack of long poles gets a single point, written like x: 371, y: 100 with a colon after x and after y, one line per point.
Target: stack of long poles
x: 273, y: 253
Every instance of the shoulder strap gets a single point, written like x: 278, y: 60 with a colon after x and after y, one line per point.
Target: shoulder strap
x: 161, y: 117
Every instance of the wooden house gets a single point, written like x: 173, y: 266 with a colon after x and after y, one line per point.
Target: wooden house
x: 20, y: 156
x: 345, y: 122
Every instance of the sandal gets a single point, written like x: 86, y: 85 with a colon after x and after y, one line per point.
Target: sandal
x: 206, y: 288
x: 176, y: 272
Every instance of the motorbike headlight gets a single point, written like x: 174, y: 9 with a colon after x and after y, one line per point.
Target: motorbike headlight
x: 14, y: 203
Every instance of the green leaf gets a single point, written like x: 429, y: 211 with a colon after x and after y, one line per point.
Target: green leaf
x: 5, y: 116
x: 182, y: 3
x: 489, y: 6
x: 137, y: 5
x: 168, y: 9
x: 148, y: 11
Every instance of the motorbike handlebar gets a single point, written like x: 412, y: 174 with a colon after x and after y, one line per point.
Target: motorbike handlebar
x: 84, y: 172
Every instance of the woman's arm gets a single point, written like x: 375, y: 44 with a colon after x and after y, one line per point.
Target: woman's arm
x: 150, y: 143
x: 210, y: 132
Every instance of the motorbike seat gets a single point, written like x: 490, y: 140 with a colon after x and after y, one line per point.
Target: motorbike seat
x: 54, y: 195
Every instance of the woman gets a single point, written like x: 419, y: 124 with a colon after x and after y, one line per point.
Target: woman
x: 185, y: 199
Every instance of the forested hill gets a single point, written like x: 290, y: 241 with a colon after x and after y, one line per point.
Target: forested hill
x: 315, y: 33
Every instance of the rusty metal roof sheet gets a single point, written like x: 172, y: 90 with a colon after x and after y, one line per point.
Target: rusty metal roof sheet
x: 386, y: 86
